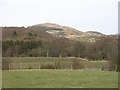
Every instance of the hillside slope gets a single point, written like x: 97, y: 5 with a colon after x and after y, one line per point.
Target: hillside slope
x: 23, y: 33
x: 67, y: 32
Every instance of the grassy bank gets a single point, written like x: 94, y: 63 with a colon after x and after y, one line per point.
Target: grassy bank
x: 64, y: 62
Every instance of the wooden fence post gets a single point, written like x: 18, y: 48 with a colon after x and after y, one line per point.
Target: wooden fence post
x: 39, y: 66
x: 9, y: 67
x: 71, y: 67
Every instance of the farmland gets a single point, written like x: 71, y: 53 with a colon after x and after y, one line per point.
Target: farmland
x: 65, y: 63
x: 34, y: 77
x: 60, y: 79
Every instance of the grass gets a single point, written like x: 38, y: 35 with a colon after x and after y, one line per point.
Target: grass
x: 36, y: 61
x: 60, y: 79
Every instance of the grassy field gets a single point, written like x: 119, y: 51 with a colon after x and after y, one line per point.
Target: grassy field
x: 67, y: 62
x: 60, y: 79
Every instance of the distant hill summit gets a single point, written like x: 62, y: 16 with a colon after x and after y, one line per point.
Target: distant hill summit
x: 48, y: 25
x: 67, y: 32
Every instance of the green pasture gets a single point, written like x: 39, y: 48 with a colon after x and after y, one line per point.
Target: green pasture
x: 60, y: 79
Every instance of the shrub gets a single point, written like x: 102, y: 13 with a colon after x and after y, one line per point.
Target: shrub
x: 48, y: 66
x: 77, y: 64
x: 57, y: 65
x: 6, y: 63
x: 29, y: 66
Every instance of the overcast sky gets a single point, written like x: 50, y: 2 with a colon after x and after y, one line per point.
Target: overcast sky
x: 85, y: 15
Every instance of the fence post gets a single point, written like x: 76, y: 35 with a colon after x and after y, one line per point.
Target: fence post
x: 71, y: 67
x: 9, y: 67
x: 39, y: 66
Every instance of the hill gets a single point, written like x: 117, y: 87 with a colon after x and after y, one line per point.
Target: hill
x: 49, y: 31
x: 24, y: 34
x: 67, y: 32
